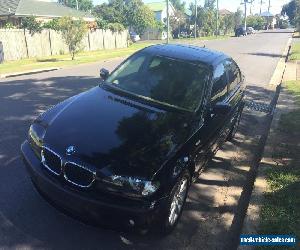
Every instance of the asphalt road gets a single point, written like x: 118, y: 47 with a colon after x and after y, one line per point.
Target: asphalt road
x: 28, y: 221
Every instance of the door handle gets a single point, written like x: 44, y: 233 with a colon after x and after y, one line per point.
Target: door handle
x: 198, y: 142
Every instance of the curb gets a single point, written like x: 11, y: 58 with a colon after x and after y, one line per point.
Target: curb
x: 28, y: 72
x: 251, y: 220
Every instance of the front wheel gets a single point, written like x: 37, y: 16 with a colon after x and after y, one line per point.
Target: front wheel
x: 176, y: 203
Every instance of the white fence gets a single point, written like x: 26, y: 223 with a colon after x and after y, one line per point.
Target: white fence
x: 18, y: 44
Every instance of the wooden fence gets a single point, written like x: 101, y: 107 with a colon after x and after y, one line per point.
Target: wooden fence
x: 18, y: 44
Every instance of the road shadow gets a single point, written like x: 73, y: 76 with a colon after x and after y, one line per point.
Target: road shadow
x: 265, y: 54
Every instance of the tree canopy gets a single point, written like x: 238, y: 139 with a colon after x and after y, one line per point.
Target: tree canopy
x: 133, y: 14
x: 290, y: 9
x: 83, y: 5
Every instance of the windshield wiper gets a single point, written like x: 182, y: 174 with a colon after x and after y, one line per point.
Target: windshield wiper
x: 146, y: 99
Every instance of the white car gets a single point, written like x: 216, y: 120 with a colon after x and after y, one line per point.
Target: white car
x: 134, y: 37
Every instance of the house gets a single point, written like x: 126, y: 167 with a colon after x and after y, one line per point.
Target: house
x: 12, y: 11
x: 270, y: 18
x: 160, y: 12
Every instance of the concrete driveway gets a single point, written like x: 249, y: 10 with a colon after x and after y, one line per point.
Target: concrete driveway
x: 28, y: 221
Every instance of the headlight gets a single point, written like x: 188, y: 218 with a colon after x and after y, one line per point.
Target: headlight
x: 132, y: 186
x: 35, y: 137
x: 36, y: 134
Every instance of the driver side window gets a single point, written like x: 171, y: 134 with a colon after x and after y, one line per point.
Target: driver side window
x: 219, y: 88
x: 132, y: 67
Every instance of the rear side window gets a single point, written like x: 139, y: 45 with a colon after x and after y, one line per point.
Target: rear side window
x: 219, y: 88
x: 234, y: 74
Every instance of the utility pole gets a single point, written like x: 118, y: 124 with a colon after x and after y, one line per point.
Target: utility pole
x: 269, y: 23
x: 168, y: 23
x: 77, y: 4
x: 217, y: 28
x: 261, y: 2
x: 195, y: 28
x: 245, y: 18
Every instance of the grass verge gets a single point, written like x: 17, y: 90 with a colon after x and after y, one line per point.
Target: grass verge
x: 65, y: 60
x: 86, y: 57
x: 280, y: 213
x: 295, y: 53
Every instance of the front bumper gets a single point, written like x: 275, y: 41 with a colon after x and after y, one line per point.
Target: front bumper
x: 109, y: 211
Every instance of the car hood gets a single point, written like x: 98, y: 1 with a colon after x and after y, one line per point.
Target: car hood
x: 114, y: 133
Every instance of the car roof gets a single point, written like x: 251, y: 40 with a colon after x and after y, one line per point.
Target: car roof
x: 186, y: 52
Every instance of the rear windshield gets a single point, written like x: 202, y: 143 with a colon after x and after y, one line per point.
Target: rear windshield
x: 163, y: 79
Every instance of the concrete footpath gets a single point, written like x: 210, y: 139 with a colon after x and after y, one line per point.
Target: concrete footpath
x: 284, y: 104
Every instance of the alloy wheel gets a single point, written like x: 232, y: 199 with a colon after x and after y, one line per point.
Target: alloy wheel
x: 178, y: 201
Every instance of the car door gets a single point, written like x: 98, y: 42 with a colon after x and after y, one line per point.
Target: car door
x: 235, y: 89
x: 211, y: 133
x: 218, y: 123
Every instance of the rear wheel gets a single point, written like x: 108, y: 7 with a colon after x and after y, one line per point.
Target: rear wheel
x: 235, y: 126
x: 176, y: 203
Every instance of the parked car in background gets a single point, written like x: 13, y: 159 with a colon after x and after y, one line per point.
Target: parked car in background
x: 134, y: 37
x: 240, y: 31
x: 250, y: 30
x: 128, y: 150
x: 184, y: 34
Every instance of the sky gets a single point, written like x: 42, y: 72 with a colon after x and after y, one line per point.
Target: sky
x: 232, y: 5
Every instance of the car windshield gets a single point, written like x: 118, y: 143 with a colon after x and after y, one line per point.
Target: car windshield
x: 175, y: 82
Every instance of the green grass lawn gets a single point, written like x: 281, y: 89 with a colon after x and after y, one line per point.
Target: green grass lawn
x: 295, y: 52
x: 281, y: 211
x: 84, y: 57
x: 65, y: 60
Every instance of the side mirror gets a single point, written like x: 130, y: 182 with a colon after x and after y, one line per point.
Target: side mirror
x: 221, y: 108
x: 104, y: 74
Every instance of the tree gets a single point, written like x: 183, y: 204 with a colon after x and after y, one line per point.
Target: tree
x: 209, y: 4
x: 113, y: 12
x: 84, y: 5
x: 238, y: 18
x: 178, y: 5
x: 177, y: 23
x: 227, y: 23
x: 73, y: 32
x: 290, y: 9
x: 139, y: 16
x: 31, y: 24
x: 257, y: 22
x: 206, y: 20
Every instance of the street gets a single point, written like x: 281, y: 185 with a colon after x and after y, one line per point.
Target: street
x: 28, y: 221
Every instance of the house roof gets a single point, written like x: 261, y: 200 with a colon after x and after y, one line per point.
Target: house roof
x: 40, y: 8
x: 224, y: 12
x: 266, y: 14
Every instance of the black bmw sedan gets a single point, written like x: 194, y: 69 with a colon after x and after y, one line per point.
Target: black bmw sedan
x: 128, y: 149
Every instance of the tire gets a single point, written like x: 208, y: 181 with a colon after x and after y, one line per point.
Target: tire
x: 170, y: 216
x: 235, y: 126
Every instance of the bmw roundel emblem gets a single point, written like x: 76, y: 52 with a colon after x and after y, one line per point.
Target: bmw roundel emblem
x: 70, y: 150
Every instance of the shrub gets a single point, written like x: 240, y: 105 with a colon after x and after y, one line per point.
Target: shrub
x: 52, y: 25
x: 73, y: 32
x: 115, y: 27
x: 31, y: 24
